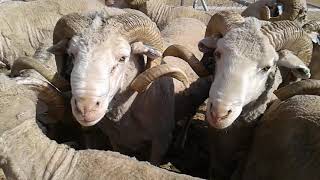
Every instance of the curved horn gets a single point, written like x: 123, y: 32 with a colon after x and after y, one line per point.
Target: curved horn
x: 221, y: 22
x: 32, y: 63
x: 312, y: 26
x: 293, y: 10
x: 136, y: 3
x: 182, y: 52
x: 308, y: 87
x: 135, y: 28
x: 289, y: 35
x: 45, y: 92
x: 65, y: 29
x: 141, y: 83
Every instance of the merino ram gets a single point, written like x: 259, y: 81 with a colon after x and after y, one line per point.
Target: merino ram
x: 102, y: 55
x: 25, y: 25
x: 247, y: 54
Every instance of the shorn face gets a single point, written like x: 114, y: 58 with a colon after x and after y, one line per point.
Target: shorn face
x: 244, y: 58
x: 98, y: 73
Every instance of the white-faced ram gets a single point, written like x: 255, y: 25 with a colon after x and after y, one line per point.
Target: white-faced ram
x: 247, y: 53
x: 102, y: 56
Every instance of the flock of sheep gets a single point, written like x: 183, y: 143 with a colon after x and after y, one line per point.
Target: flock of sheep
x: 132, y: 70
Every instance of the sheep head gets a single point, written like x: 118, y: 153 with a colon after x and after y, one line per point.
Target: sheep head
x: 247, y: 51
x: 102, y: 57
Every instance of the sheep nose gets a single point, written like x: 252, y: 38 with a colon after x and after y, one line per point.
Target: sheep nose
x: 86, y: 105
x: 220, y: 111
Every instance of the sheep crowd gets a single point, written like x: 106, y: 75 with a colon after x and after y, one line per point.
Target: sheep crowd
x: 220, y: 95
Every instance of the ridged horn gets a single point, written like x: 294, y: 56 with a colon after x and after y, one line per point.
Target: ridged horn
x: 135, y: 28
x: 305, y: 87
x: 182, y: 52
x: 141, y: 83
x: 65, y: 29
x: 289, y: 35
x: 136, y: 2
x: 312, y: 26
x: 45, y: 92
x: 222, y: 22
x: 32, y: 63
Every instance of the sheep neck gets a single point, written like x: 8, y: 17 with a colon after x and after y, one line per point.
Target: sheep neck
x: 252, y: 111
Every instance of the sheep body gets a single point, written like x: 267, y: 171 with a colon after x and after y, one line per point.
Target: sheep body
x: 26, y: 25
x: 161, y: 13
x: 285, y: 145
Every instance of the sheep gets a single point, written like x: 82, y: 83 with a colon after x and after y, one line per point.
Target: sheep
x: 285, y: 144
x: 186, y: 100
x: 270, y: 10
x: 237, y: 43
x: 26, y: 153
x: 159, y: 12
x: 27, y: 24
x: 108, y: 95
x: 313, y: 28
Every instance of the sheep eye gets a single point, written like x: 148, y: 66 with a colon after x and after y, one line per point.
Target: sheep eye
x: 266, y: 69
x: 72, y: 57
x: 217, y: 54
x: 123, y: 58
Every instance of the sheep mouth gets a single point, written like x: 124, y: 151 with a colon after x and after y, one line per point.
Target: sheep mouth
x: 89, y: 121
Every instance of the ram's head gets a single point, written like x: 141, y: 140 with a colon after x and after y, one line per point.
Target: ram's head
x: 247, y: 51
x: 102, y: 56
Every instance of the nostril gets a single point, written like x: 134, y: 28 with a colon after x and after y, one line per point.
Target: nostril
x: 77, y: 107
x: 97, y: 103
x: 229, y: 112
x: 210, y: 106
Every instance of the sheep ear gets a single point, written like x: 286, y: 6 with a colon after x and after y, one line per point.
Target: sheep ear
x: 289, y: 60
x: 315, y: 37
x: 59, y: 48
x: 150, y: 52
x: 208, y: 44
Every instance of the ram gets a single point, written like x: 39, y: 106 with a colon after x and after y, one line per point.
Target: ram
x: 286, y: 143
x: 27, y: 153
x: 270, y: 10
x: 102, y: 55
x: 25, y: 25
x: 178, y: 31
x: 247, y: 53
